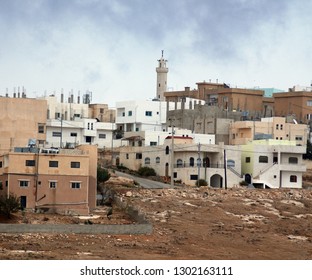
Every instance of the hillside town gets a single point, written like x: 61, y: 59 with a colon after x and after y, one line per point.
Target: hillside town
x: 230, y: 161
x: 220, y: 136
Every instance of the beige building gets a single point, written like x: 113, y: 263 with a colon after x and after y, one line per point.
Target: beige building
x: 241, y: 132
x: 102, y: 113
x: 21, y: 119
x: 295, y: 103
x: 46, y: 179
x: 191, y: 161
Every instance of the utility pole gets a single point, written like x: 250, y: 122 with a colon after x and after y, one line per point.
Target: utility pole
x: 225, y: 175
x: 172, y: 153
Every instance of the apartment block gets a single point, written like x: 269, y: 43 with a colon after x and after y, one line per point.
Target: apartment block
x: 50, y: 179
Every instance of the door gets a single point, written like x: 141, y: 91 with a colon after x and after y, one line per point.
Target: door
x: 23, y: 201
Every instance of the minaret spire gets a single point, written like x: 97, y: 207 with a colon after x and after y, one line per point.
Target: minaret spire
x: 162, y: 71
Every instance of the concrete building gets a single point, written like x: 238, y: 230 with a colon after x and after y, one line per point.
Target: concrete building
x: 49, y: 179
x: 242, y: 132
x: 297, y: 102
x: 21, y: 119
x: 205, y: 119
x: 273, y: 163
x: 190, y: 161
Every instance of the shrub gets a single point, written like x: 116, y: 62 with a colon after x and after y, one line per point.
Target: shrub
x: 201, y: 182
x: 243, y: 183
x: 102, y: 175
x: 146, y: 171
x: 9, y: 204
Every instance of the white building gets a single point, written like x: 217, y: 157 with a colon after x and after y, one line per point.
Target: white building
x: 273, y: 163
x: 146, y: 115
x: 81, y: 131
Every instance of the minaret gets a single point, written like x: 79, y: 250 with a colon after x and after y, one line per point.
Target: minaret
x: 162, y: 71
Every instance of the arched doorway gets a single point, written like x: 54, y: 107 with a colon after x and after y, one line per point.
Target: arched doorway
x: 216, y: 181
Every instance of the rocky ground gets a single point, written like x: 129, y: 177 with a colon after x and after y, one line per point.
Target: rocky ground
x: 189, y: 223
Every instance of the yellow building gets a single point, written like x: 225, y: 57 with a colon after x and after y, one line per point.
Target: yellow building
x: 63, y: 181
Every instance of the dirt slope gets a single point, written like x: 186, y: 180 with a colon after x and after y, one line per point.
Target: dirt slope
x: 189, y: 223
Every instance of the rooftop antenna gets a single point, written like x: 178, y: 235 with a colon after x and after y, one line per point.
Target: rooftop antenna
x: 162, y: 53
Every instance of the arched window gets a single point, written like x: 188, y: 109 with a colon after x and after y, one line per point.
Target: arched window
x: 293, y: 178
x: 179, y: 163
x: 191, y: 161
x: 230, y: 163
x: 293, y: 160
x: 167, y: 150
x: 157, y: 159
x: 263, y: 159
x: 147, y: 160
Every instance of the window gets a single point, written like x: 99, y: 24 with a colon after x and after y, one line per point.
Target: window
x: 293, y: 178
x: 158, y: 160
x: 123, y: 114
x: 167, y: 150
x: 30, y: 163
x: 230, y: 163
x: 179, y: 163
x: 73, y: 134
x: 101, y: 110
x: 309, y: 102
x: 23, y: 183
x: 247, y: 159
x: 75, y: 185
x: 148, y: 113
x: 274, y: 176
x: 233, y: 136
x: 175, y: 175
x: 298, y: 138
x: 102, y: 136
x: 74, y: 164
x: 138, y: 156
x: 191, y: 161
x: 293, y: 160
x: 76, y: 115
x: 277, y: 126
x: 53, y: 163
x: 263, y: 159
x: 88, y: 126
x: 152, y: 143
x: 193, y: 177
x: 52, y: 184
x: 281, y: 127
x: 40, y: 128
x: 0, y: 164
x: 127, y: 156
x: 129, y: 113
x: 147, y: 160
x: 91, y: 126
x: 56, y: 134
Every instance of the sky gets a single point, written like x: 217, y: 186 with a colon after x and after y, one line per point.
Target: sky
x: 111, y: 47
